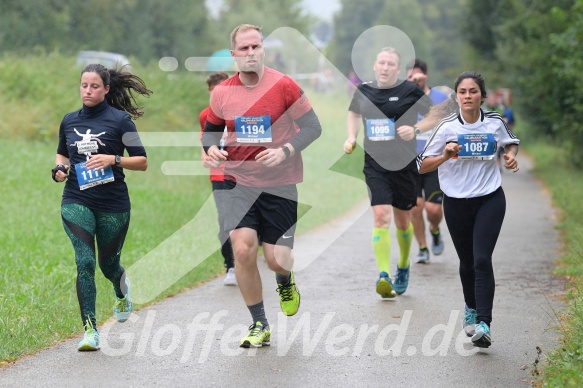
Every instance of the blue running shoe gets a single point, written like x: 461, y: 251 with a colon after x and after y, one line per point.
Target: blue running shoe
x: 401, y: 280
x: 469, y: 321
x: 385, y: 286
x: 482, y: 338
x: 122, y: 308
x: 423, y: 256
x: 436, y: 243
x: 90, y: 341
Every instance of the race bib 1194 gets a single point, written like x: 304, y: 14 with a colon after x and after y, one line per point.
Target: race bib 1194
x: 253, y: 129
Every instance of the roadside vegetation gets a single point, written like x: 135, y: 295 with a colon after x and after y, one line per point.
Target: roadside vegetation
x: 38, y: 305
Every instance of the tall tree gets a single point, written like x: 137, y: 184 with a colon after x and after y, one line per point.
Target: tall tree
x: 447, y: 45
x: 432, y: 25
x: 408, y: 17
x: 270, y: 15
x: 148, y: 29
x: 524, y: 59
x: 352, y: 20
x: 28, y: 24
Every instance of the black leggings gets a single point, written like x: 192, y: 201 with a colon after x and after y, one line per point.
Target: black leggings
x: 84, y: 226
x: 219, y: 188
x: 474, y: 225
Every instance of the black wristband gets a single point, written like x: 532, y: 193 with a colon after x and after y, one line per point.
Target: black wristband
x: 59, y: 167
x: 286, y: 151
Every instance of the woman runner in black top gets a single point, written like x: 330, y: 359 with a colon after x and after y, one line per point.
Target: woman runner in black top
x: 95, y: 204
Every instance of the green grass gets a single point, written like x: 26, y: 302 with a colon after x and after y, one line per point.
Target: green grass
x: 37, y: 270
x: 38, y: 304
x: 564, y: 366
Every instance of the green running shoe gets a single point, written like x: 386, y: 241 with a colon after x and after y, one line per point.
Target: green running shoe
x: 385, y: 286
x: 90, y: 339
x: 289, y: 296
x: 258, y: 336
x: 122, y: 308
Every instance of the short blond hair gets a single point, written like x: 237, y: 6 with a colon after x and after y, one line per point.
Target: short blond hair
x: 391, y: 50
x: 244, y: 28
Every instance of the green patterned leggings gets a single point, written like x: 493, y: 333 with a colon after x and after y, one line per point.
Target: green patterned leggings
x: 84, y: 226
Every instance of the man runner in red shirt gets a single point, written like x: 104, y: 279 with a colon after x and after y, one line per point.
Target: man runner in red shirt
x: 269, y: 122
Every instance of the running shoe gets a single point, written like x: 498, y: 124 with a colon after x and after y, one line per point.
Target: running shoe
x: 90, y: 339
x: 122, y: 308
x: 230, y: 279
x: 385, y: 286
x: 258, y: 336
x: 401, y: 280
x: 482, y: 338
x: 289, y: 296
x: 423, y: 256
x: 469, y: 321
x: 436, y: 243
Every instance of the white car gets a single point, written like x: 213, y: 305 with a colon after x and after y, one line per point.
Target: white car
x: 107, y: 59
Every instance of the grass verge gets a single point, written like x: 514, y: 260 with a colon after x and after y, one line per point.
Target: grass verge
x: 564, y: 366
x: 38, y: 304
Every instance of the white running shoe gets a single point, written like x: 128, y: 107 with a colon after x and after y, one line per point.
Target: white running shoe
x: 230, y: 279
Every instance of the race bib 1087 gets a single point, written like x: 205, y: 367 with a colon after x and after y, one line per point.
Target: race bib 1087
x: 477, y: 146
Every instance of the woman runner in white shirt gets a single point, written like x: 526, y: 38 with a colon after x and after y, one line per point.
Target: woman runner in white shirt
x: 463, y: 147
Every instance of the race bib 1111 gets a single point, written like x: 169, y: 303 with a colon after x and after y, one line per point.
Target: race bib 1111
x: 88, y: 178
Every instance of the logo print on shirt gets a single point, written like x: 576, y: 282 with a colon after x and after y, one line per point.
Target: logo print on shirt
x: 394, y: 99
x: 88, y: 143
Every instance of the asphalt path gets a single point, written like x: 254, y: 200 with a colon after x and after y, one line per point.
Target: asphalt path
x: 344, y: 334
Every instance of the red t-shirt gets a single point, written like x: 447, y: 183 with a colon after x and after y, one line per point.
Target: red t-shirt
x: 276, y: 100
x: 217, y: 174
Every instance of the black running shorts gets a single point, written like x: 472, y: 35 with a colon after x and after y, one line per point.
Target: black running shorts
x: 396, y: 188
x: 428, y: 187
x: 272, y: 212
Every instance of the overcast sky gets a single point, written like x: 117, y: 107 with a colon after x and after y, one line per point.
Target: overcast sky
x: 324, y: 9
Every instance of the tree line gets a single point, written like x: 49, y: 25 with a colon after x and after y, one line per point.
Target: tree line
x: 529, y: 46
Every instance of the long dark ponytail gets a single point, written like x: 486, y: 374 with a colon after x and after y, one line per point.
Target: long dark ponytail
x: 122, y: 88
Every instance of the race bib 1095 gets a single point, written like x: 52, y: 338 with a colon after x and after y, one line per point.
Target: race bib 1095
x: 380, y: 129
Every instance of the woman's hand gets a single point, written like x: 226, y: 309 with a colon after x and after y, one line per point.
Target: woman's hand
x: 511, y: 162
x: 451, y: 150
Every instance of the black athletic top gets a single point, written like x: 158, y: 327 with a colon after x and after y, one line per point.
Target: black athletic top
x: 401, y: 104
x: 101, y: 129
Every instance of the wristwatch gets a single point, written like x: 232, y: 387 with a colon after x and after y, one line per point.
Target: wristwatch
x: 117, y: 160
x: 417, y: 131
x: 286, y: 151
